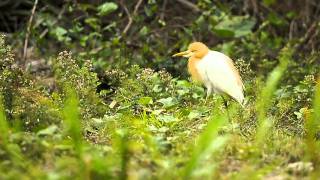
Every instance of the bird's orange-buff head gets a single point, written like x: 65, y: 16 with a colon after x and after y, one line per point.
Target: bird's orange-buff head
x: 196, y: 49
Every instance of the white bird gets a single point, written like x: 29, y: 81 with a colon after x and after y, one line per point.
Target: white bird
x: 214, y: 70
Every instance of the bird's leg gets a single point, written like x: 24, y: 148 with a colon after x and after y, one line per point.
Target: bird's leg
x: 226, y: 106
x: 207, y: 97
x: 209, y: 91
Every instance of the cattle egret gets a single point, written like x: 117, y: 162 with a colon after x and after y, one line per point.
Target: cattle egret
x: 214, y: 70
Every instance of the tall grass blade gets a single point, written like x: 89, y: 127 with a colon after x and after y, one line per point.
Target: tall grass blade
x: 12, y: 149
x: 72, y: 121
x: 265, y: 124
x: 208, y: 143
x: 124, y: 153
x: 312, y: 127
x: 264, y: 103
x: 4, y: 129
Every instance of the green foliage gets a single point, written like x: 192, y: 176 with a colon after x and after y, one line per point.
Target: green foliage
x: 146, y: 90
x: 107, y: 8
x: 71, y: 118
x: 209, y: 143
x: 119, y: 107
x: 3, y: 124
x: 312, y: 127
x: 9, y: 76
x: 70, y: 74
x: 266, y: 95
x: 24, y: 104
x: 234, y: 26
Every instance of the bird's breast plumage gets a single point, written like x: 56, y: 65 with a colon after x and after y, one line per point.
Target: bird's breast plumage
x: 193, y: 69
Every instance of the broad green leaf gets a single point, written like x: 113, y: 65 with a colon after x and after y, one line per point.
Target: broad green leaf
x: 168, y: 102
x: 48, y: 131
x: 145, y: 101
x: 223, y: 32
x: 236, y: 26
x: 167, y: 118
x: 107, y: 8
x: 60, y: 33
x: 93, y: 22
x: 97, y: 122
x: 144, y: 31
x: 194, y: 114
x: 184, y: 83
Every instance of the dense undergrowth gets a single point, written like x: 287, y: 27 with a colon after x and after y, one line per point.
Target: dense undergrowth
x: 149, y: 125
x: 119, y: 107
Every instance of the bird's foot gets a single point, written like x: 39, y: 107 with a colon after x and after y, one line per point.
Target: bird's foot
x: 206, y: 101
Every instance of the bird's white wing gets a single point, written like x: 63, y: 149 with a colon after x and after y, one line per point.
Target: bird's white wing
x: 220, y: 74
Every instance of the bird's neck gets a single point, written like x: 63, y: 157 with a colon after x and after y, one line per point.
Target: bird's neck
x: 192, y: 68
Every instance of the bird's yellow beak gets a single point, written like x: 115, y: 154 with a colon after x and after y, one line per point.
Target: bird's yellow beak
x: 184, y: 54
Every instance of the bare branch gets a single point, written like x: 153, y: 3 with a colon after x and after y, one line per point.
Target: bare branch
x: 163, y: 10
x: 309, y: 34
x: 189, y: 5
x: 28, y: 31
x: 126, y: 29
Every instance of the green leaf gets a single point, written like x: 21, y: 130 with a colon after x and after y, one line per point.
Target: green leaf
x: 97, y: 122
x: 93, y: 22
x: 48, y: 131
x: 168, y: 102
x: 60, y: 33
x: 223, y: 32
x: 167, y: 118
x: 194, y: 114
x: 144, y: 31
x: 145, y: 101
x: 107, y: 8
x: 184, y: 83
x: 236, y: 26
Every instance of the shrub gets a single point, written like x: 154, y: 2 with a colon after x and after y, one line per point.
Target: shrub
x: 25, y: 105
x: 69, y: 74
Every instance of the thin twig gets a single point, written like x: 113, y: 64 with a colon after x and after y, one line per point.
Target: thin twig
x: 129, y: 22
x: 291, y: 29
x: 28, y: 31
x: 254, y: 6
x: 307, y: 36
x: 189, y: 5
x: 126, y: 29
x: 136, y: 7
x: 313, y: 36
x: 163, y: 10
